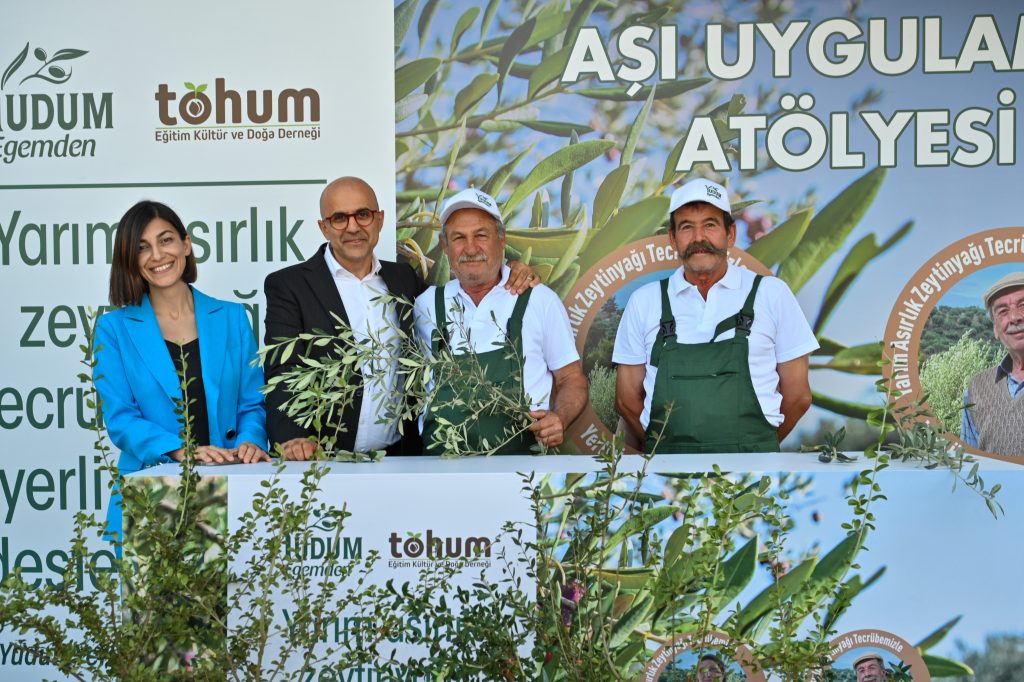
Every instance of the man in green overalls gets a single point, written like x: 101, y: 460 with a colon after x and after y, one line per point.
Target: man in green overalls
x: 713, y: 358
x: 508, y: 377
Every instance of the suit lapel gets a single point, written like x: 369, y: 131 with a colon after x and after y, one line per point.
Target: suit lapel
x: 211, y: 323
x: 149, y: 343
x: 321, y: 282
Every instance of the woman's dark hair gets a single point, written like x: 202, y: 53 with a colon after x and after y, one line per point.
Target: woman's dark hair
x: 126, y: 283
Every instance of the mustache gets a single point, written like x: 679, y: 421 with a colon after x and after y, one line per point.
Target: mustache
x: 703, y: 246
x: 478, y: 258
x: 1015, y: 328
x: 356, y: 235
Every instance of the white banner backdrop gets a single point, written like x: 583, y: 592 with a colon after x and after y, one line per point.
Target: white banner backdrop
x: 462, y: 518
x: 233, y: 114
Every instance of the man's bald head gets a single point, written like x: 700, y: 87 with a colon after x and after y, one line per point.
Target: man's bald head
x: 344, y: 185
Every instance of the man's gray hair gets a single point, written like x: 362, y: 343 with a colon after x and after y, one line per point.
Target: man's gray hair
x: 498, y: 225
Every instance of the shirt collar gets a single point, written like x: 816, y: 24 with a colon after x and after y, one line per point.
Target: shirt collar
x: 1004, y: 369
x: 732, y: 279
x: 338, y: 270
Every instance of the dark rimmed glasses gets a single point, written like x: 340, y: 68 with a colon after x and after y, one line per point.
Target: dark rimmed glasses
x: 363, y: 218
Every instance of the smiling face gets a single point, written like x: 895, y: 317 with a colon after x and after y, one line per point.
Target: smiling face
x: 474, y: 247
x: 702, y: 239
x: 162, y: 254
x: 353, y: 244
x: 871, y: 670
x: 709, y: 671
x: 1008, y: 320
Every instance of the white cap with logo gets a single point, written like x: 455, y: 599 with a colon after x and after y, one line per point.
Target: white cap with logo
x: 470, y: 198
x: 700, y: 190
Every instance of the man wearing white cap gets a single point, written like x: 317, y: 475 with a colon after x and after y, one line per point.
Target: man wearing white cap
x: 713, y: 358
x: 994, y: 418
x: 506, y: 349
x: 870, y: 667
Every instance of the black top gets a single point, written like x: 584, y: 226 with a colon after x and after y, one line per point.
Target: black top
x: 196, y: 390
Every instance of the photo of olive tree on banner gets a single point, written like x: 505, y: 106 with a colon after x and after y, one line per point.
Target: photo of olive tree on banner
x: 584, y: 168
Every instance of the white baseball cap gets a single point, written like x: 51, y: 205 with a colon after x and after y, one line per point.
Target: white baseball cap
x: 700, y: 190
x: 470, y: 198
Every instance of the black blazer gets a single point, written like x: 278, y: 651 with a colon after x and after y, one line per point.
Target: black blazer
x: 301, y: 298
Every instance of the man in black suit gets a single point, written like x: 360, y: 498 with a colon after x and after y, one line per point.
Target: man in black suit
x: 344, y: 277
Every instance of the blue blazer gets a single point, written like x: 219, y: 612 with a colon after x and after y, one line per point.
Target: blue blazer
x: 138, y: 383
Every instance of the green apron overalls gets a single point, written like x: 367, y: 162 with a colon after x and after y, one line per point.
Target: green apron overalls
x: 713, y: 404
x: 502, y: 369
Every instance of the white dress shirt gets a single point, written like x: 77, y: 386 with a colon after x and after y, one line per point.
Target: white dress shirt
x: 370, y: 318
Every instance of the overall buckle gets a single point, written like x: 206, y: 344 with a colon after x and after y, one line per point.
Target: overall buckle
x: 668, y: 328
x: 744, y: 322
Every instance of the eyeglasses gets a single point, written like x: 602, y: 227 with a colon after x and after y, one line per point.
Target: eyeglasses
x: 363, y: 218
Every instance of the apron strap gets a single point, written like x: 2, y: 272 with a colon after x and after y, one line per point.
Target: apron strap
x: 514, y: 329
x: 441, y: 333
x: 667, y: 326
x: 744, y: 319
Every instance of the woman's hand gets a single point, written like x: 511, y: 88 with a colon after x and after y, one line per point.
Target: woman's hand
x: 249, y: 453
x: 208, y: 453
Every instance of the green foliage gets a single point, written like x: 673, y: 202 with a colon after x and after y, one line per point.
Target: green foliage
x: 947, y: 325
x: 177, y: 606
x: 1001, y: 659
x: 945, y: 375
x: 602, y: 395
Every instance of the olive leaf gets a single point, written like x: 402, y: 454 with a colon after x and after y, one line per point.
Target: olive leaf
x: 470, y: 96
x: 634, y: 130
x: 773, y: 248
x: 462, y: 25
x: 778, y: 592
x: 862, y: 359
x: 407, y: 107
x: 938, y: 635
x: 14, y: 66
x: 843, y: 407
x: 426, y: 16
x: 829, y: 228
x: 549, y: 69
x: 68, y: 53
x: 501, y: 176
x: 629, y: 224
x: 736, y: 573
x: 618, y: 94
x: 939, y: 666
x: 403, y: 19
x: 863, y: 252
x: 557, y: 128
x: 513, y: 46
x: 556, y: 165
x: 608, y: 194
x: 410, y: 76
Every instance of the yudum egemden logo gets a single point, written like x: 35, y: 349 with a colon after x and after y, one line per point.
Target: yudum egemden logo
x: 199, y: 114
x: 35, y: 110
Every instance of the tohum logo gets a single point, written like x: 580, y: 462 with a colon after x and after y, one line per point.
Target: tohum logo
x: 44, y: 111
x: 713, y: 192
x: 201, y: 113
x: 414, y: 546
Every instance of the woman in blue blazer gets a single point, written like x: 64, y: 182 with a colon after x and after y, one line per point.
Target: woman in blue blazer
x: 158, y: 319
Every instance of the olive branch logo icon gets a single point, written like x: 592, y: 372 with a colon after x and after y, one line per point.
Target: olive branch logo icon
x: 325, y: 523
x: 49, y: 70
